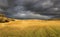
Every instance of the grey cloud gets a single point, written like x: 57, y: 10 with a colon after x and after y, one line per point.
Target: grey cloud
x: 29, y: 14
x: 43, y: 9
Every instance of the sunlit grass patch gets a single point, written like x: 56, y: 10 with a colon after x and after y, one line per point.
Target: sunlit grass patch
x: 32, y: 31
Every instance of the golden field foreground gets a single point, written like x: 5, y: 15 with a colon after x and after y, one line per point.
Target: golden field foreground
x: 30, y: 28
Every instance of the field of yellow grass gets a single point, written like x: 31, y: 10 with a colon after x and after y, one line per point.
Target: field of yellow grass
x: 30, y: 28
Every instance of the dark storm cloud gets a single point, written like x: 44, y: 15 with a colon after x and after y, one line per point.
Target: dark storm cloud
x: 43, y: 9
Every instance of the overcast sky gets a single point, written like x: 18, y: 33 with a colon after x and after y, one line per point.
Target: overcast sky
x: 43, y: 9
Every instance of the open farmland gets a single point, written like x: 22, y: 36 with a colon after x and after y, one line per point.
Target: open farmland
x: 30, y: 28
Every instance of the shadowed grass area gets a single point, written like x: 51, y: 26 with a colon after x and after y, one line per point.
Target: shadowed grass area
x: 31, y: 31
x: 4, y: 19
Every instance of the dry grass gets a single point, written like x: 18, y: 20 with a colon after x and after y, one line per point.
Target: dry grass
x: 30, y: 28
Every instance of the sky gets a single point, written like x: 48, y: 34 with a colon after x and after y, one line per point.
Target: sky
x: 40, y: 9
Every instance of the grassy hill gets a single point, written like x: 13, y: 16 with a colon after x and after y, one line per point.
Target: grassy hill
x: 30, y: 28
x: 4, y: 19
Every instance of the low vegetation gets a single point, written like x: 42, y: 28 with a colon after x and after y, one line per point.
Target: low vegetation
x: 30, y: 28
x: 4, y: 19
